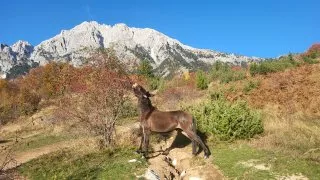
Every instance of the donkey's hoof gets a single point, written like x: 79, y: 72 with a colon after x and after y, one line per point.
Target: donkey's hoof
x: 206, y: 156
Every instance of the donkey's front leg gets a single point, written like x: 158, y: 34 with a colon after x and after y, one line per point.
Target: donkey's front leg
x: 139, y: 150
x: 146, y: 134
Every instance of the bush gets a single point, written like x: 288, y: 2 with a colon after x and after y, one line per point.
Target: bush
x: 250, y: 86
x: 128, y: 110
x: 28, y: 102
x: 313, y: 52
x: 16, y: 101
x: 155, y: 83
x: 309, y: 60
x: 201, y: 80
x: 270, y: 66
x: 145, y: 69
x: 225, y: 120
x: 224, y: 73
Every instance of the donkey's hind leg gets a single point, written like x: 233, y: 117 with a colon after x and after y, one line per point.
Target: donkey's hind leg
x: 194, y: 143
x: 194, y: 148
x: 192, y: 135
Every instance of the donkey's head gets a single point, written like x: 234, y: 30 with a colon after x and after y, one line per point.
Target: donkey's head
x: 140, y: 92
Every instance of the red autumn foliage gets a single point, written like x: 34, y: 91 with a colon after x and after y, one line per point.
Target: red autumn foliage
x: 236, y: 68
x: 313, y: 51
x: 54, y: 80
x: 16, y: 101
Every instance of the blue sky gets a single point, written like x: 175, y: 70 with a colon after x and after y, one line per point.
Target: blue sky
x: 248, y: 27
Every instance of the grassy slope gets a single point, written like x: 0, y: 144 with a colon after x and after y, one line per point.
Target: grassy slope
x: 244, y: 162
x: 68, y: 165
x: 39, y: 141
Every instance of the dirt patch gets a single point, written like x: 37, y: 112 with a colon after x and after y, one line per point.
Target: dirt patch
x: 23, y: 157
x: 292, y: 177
x: 255, y: 164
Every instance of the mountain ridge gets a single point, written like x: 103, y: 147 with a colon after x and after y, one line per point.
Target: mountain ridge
x: 129, y: 43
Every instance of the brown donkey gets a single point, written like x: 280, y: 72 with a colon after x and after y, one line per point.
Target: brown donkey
x: 153, y: 120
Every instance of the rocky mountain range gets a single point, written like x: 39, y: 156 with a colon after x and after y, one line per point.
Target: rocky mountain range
x: 165, y: 54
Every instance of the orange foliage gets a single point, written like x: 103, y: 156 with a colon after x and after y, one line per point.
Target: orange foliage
x: 236, y: 68
x: 313, y: 51
x: 292, y: 91
x: 105, y: 74
x: 15, y: 101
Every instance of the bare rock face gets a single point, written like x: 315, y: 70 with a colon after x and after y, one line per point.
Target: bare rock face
x: 166, y: 55
x: 22, y: 50
x: 15, y: 57
x: 6, y: 58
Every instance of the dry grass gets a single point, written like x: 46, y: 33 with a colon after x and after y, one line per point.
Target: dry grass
x: 296, y: 134
x: 295, y: 90
x: 291, y: 105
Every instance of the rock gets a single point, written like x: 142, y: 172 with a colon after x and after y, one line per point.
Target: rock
x: 151, y: 175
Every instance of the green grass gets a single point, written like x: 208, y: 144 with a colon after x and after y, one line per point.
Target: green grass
x: 230, y: 159
x: 39, y: 141
x: 108, y: 164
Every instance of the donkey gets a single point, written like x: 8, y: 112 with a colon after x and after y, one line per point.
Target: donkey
x: 153, y: 120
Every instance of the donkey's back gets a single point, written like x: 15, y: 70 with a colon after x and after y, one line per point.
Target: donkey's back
x: 165, y: 121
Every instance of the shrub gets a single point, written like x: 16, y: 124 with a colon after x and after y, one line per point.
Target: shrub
x: 128, y: 110
x: 225, y: 120
x: 145, y: 69
x: 270, y: 66
x: 309, y: 60
x: 16, y: 101
x: 201, y: 80
x: 28, y: 102
x: 250, y: 86
x: 155, y: 83
x: 51, y: 80
x: 224, y: 73
x: 313, y: 52
x: 186, y: 75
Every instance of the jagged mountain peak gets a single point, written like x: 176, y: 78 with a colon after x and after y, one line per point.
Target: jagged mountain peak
x: 23, y: 49
x: 2, y: 46
x: 21, y: 43
x: 166, y: 54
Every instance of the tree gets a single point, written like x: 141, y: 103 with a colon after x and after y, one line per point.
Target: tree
x: 102, y: 102
x: 145, y: 69
x: 290, y: 57
x: 201, y: 80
